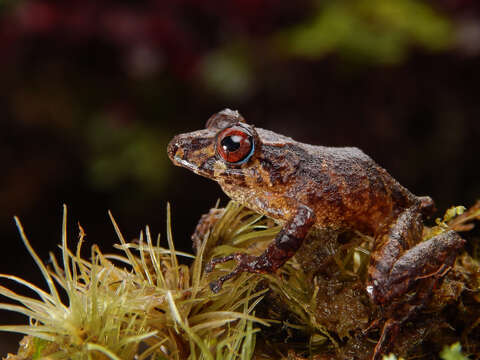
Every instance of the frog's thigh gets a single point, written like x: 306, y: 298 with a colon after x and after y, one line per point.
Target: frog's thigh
x: 205, y: 226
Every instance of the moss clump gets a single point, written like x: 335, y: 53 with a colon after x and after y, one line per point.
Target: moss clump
x: 142, y: 303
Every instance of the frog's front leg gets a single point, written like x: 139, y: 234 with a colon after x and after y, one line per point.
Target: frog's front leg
x: 286, y: 243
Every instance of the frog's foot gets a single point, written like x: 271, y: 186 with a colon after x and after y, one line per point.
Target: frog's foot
x: 389, y: 331
x: 401, y: 313
x: 211, y: 265
x: 245, y: 263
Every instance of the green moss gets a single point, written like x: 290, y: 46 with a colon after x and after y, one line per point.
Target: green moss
x: 453, y: 352
x: 142, y: 298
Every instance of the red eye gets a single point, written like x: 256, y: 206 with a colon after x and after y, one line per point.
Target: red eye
x: 235, y: 144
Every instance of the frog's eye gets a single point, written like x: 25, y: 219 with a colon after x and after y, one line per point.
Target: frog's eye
x: 235, y: 144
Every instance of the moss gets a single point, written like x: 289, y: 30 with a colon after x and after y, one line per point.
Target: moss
x: 142, y: 301
x: 453, y: 352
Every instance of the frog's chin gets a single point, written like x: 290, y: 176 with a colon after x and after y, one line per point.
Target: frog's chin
x: 178, y: 161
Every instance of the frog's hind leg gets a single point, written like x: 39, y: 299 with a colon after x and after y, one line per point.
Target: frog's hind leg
x: 390, y: 244
x: 402, y: 313
x: 397, y: 263
x: 205, y: 226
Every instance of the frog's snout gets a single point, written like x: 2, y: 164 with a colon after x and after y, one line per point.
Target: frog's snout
x: 178, y: 151
x: 172, y: 148
x: 181, y: 152
x: 194, y: 151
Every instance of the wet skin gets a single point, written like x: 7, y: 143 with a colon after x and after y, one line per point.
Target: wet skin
x: 302, y: 187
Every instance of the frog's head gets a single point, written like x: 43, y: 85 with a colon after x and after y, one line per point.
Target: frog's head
x: 220, y: 151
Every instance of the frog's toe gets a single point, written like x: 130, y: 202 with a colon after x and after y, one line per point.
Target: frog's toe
x: 375, y: 324
x: 245, y: 263
x: 210, y: 266
x: 216, y: 286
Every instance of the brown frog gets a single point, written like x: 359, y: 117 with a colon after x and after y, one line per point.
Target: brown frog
x: 303, y: 186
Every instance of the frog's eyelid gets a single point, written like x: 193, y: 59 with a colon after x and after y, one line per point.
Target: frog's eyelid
x: 229, y: 112
x: 224, y: 119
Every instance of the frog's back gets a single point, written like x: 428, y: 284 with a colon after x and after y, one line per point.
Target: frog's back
x: 344, y: 186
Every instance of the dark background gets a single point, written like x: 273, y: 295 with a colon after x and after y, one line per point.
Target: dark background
x: 91, y: 92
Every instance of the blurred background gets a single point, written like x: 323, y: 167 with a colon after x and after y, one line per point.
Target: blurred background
x: 91, y: 92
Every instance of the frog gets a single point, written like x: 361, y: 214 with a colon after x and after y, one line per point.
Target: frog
x: 304, y: 187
